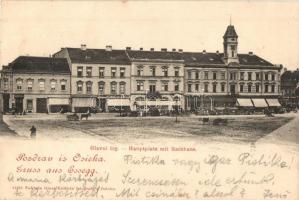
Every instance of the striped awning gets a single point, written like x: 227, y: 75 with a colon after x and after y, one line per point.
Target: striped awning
x: 158, y: 103
x: 244, y: 103
x: 273, y: 102
x: 118, y: 102
x: 59, y: 101
x: 260, y: 103
x: 84, y: 102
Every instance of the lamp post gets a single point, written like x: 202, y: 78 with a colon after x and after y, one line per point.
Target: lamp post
x: 121, y: 104
x: 202, y: 90
x: 145, y: 102
x: 211, y: 99
x: 177, y: 110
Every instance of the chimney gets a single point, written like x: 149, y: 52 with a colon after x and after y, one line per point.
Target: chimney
x: 108, y: 48
x: 217, y: 52
x: 181, y: 50
x: 152, y: 49
x: 83, y: 47
x: 250, y: 53
x: 128, y: 48
x: 173, y: 50
x: 164, y: 49
x: 204, y: 51
x: 141, y: 48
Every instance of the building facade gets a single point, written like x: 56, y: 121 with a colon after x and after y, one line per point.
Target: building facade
x: 157, y: 79
x: 36, y: 84
x: 99, y: 78
x: 290, y: 88
x: 220, y: 79
x: 114, y: 80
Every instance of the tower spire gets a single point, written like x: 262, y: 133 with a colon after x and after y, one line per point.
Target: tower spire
x: 230, y: 20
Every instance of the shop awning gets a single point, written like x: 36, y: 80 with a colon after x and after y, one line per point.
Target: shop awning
x: 118, y: 102
x: 260, y: 103
x: 273, y: 102
x: 244, y: 103
x: 84, y: 102
x: 59, y: 101
x: 158, y: 103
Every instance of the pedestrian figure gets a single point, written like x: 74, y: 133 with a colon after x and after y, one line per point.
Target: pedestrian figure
x: 33, y: 132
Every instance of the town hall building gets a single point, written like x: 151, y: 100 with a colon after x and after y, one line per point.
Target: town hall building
x: 112, y: 80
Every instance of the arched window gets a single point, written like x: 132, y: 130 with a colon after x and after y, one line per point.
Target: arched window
x: 140, y: 70
x: 89, y: 87
x: 176, y: 98
x: 122, y: 87
x: 53, y: 84
x: 249, y: 87
x: 101, y: 87
x: 29, y: 84
x: 19, y: 83
x: 79, y: 86
x: 41, y: 84
x: 63, y: 85
x: 113, y: 87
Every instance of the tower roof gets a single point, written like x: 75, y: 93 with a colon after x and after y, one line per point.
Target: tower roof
x: 230, y: 32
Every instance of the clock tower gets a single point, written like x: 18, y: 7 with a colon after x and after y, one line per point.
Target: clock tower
x: 230, y: 44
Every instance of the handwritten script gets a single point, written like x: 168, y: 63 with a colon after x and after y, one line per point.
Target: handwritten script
x: 149, y: 172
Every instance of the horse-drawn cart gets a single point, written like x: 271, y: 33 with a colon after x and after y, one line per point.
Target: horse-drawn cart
x: 73, y: 117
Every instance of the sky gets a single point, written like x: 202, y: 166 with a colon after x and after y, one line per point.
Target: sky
x: 269, y: 29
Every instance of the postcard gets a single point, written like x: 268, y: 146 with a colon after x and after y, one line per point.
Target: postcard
x: 143, y: 100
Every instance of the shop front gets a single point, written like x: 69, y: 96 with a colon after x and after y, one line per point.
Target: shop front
x: 83, y: 104
x: 59, y: 105
x: 118, y: 105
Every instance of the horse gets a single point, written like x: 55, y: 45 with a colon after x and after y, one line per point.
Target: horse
x: 85, y: 115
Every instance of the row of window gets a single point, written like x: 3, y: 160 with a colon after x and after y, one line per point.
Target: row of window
x: 232, y: 75
x: 268, y: 88
x: 165, y: 73
x: 205, y: 87
x: 101, y: 87
x: 115, y: 72
x: 153, y: 70
x: 41, y: 83
x: 152, y: 87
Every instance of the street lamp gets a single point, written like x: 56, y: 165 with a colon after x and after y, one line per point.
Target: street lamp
x: 145, y: 102
x: 177, y: 109
x: 202, y: 91
x: 121, y: 104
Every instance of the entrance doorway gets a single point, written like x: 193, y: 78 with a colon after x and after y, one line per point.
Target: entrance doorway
x: 5, y: 103
x: 41, y: 105
x: 102, y: 104
x: 19, y: 104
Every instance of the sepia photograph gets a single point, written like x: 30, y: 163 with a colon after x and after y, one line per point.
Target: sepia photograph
x: 173, y: 99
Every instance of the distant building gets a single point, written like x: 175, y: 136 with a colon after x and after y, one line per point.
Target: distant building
x: 290, y: 87
x: 99, y: 78
x: 36, y: 84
